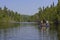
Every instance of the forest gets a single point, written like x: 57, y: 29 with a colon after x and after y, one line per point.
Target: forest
x: 7, y: 15
x: 48, y: 13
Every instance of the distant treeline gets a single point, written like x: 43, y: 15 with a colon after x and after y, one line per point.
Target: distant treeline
x: 7, y: 15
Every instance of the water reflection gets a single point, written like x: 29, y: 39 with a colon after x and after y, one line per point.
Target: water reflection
x: 26, y: 32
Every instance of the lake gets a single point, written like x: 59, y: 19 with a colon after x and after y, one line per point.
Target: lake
x: 26, y: 31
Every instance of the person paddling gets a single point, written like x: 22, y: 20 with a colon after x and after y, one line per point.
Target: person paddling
x: 43, y: 24
x: 47, y: 25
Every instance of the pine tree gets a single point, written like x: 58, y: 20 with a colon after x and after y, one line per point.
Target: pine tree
x: 58, y: 2
x: 53, y: 4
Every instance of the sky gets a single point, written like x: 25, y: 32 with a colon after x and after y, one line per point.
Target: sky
x: 26, y: 7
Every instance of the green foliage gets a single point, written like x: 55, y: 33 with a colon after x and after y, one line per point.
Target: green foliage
x: 48, y: 13
x: 8, y: 15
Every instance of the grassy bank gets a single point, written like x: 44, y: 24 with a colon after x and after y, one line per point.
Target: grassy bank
x: 4, y: 25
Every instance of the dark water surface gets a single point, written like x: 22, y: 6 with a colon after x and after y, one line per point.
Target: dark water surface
x: 26, y: 31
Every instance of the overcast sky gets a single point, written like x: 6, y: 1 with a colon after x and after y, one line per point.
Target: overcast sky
x: 27, y: 7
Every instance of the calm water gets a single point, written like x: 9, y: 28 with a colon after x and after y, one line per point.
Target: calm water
x: 26, y: 31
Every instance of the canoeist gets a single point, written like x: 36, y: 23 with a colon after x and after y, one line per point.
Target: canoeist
x: 45, y: 25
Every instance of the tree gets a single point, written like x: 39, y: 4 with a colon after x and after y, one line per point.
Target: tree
x: 53, y: 4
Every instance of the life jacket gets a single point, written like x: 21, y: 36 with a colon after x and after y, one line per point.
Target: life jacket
x: 47, y: 24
